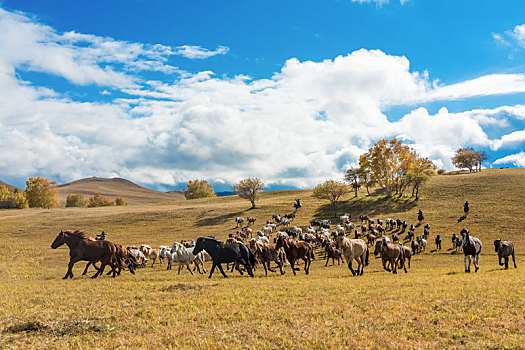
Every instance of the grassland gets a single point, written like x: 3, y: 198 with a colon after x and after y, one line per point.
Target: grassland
x: 435, y: 305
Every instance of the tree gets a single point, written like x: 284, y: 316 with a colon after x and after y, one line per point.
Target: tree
x: 365, y: 174
x: 248, y: 188
x: 352, y: 177
x: 41, y: 193
x: 481, y: 157
x: 199, y: 189
x: 388, y: 163
x: 12, y: 200
x: 420, y: 171
x: 331, y: 190
x: 465, y: 158
x: 98, y: 200
x: 76, y: 200
x: 119, y: 201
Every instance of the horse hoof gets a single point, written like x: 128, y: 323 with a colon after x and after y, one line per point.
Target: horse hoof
x: 65, y: 277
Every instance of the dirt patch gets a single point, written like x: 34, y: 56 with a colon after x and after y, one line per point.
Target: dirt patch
x: 62, y: 327
x: 185, y: 286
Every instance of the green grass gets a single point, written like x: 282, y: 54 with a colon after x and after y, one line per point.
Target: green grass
x: 435, y: 305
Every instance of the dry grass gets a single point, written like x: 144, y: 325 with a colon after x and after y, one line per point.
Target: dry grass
x: 435, y: 305
x: 112, y: 188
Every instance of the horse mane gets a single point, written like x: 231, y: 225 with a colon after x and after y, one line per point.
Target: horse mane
x: 77, y: 234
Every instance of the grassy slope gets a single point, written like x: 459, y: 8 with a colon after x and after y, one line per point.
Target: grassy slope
x: 9, y: 187
x: 132, y: 193
x: 435, y: 305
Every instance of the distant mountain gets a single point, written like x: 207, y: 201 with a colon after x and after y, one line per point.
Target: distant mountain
x: 224, y: 193
x: 9, y: 187
x: 112, y: 188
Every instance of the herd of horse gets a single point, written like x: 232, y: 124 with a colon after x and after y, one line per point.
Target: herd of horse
x: 289, y: 246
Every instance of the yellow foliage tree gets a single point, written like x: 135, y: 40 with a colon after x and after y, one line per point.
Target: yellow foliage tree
x: 248, y: 188
x: 12, y: 200
x: 98, y: 200
x: 41, y: 193
x: 331, y: 190
x: 76, y: 200
x: 119, y: 201
x: 199, y: 189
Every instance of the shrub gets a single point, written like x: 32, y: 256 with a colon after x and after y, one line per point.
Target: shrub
x: 98, y: 200
x: 441, y: 171
x: 119, y: 201
x: 41, y: 193
x: 10, y: 200
x: 76, y: 200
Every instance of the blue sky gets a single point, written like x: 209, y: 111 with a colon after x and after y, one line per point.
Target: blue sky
x: 161, y: 92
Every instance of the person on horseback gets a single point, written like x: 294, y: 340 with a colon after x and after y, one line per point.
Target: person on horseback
x: 466, y: 208
x: 101, y: 237
x: 420, y: 215
x: 297, y: 204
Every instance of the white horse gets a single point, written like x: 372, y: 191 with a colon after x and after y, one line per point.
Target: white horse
x: 471, y: 248
x: 186, y: 257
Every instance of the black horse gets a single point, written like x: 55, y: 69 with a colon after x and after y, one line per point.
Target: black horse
x: 225, y: 253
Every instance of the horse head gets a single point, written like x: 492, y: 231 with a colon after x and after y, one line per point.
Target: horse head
x: 465, y: 236
x: 497, y: 245
x: 59, y: 240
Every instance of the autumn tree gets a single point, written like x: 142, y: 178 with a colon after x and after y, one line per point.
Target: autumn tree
x: 12, y: 200
x: 364, y: 174
x: 119, y: 201
x: 331, y: 190
x: 419, y: 172
x: 465, y: 158
x: 481, y: 157
x: 76, y: 200
x: 248, y: 188
x: 41, y: 193
x: 352, y: 177
x: 199, y: 189
x: 98, y: 200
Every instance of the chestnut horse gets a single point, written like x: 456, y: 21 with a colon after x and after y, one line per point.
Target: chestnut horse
x: 295, y: 251
x: 82, y: 247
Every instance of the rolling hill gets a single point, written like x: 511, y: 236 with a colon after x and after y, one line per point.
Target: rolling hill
x: 111, y: 188
x: 9, y: 187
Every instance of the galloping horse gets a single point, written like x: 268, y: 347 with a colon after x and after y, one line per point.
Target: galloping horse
x: 392, y: 253
x: 295, y: 251
x: 225, y: 253
x: 471, y: 247
x: 82, y: 247
x: 504, y: 250
x: 354, y: 249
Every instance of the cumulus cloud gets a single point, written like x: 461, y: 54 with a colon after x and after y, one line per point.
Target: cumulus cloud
x: 304, y: 124
x: 198, y: 52
x: 512, y: 37
x: 517, y: 159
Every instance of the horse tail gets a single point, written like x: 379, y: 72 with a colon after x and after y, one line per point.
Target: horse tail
x: 367, y: 254
x: 252, y: 258
x: 312, y: 254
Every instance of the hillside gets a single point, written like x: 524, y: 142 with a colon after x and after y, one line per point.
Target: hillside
x: 433, y: 306
x: 9, y: 187
x: 111, y: 188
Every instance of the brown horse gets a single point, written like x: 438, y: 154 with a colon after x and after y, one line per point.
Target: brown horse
x: 266, y: 253
x: 82, y: 247
x: 391, y: 253
x: 295, y: 251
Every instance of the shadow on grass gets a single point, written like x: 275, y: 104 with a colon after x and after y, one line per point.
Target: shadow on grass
x: 221, y: 219
x: 462, y: 218
x: 370, y: 205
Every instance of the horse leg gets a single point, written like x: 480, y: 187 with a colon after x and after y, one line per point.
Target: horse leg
x: 514, y: 260
x: 265, y: 269
x: 101, y: 270
x: 292, y: 263
x: 465, y: 259
x: 499, y: 260
x: 85, y: 270
x: 307, y: 263
x: 188, y: 266
x: 327, y: 259
x: 269, y: 268
x: 180, y: 266
x: 221, y: 270
x: 393, y: 264
x: 69, y: 272
x: 212, y: 269
x: 350, y: 266
x: 507, y: 262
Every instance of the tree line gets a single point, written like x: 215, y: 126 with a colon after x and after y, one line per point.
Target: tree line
x: 43, y: 193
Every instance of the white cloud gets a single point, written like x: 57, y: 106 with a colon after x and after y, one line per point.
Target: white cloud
x: 517, y: 159
x: 513, y: 139
x: 225, y: 128
x: 198, y: 52
x: 512, y: 37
